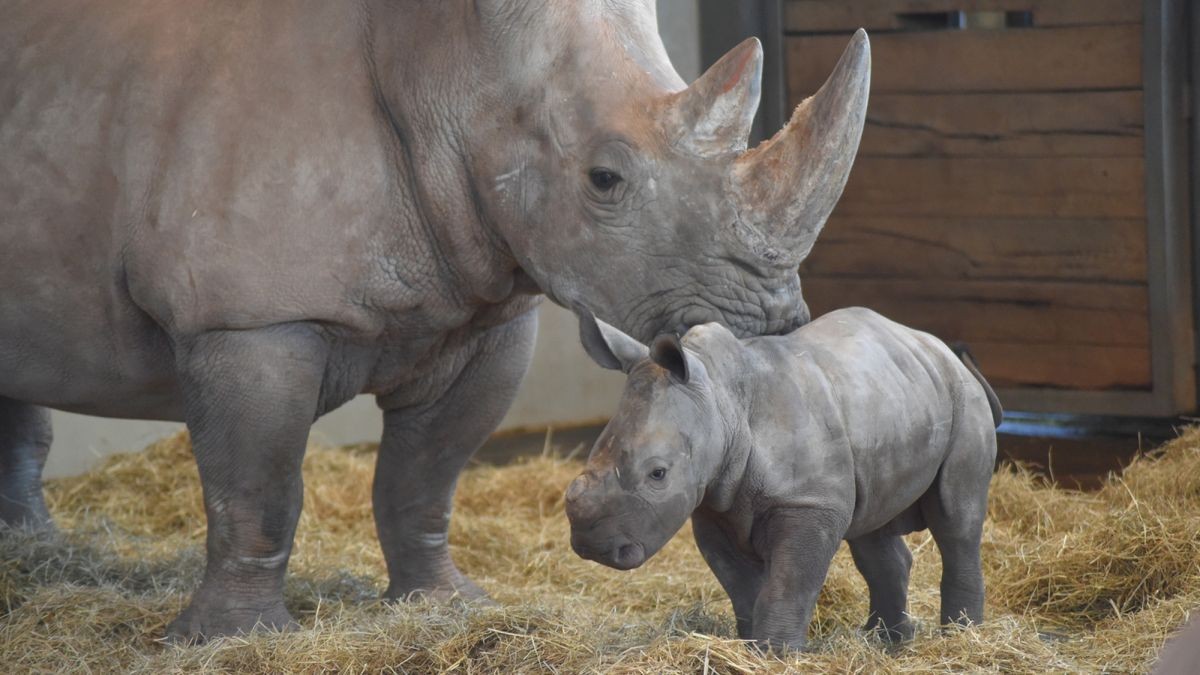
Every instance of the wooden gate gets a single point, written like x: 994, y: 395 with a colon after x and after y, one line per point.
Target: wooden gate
x: 1022, y: 186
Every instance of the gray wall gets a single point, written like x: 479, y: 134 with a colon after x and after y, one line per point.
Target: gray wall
x: 563, y: 386
x: 679, y: 25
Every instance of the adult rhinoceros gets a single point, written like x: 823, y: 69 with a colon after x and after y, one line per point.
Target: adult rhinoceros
x: 242, y: 214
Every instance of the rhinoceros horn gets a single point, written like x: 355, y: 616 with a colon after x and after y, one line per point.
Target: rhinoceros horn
x: 714, y: 115
x: 786, y: 187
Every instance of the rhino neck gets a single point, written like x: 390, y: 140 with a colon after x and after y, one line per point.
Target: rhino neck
x: 725, y: 473
x: 421, y: 66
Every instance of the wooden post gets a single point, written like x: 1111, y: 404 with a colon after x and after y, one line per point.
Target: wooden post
x: 1194, y: 113
x: 1172, y: 338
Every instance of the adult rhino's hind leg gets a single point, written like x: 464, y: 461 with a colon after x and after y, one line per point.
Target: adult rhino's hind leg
x: 885, y: 562
x: 249, y: 400
x: 24, y: 445
x: 425, y: 447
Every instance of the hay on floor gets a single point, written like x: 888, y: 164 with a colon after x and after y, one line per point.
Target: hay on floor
x: 1077, y: 582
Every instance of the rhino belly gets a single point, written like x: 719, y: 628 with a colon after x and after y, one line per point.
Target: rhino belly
x: 81, y: 348
x: 898, y: 451
x: 884, y: 499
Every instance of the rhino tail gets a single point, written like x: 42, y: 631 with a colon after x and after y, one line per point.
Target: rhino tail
x: 968, y: 359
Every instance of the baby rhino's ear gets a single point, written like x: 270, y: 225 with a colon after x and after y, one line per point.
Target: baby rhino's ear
x: 669, y: 353
x: 607, y: 345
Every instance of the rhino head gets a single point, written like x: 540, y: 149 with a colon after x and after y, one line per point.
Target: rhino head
x: 655, y: 461
x: 619, y: 190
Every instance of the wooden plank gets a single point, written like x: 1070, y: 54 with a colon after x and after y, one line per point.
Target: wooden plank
x: 961, y: 249
x: 1075, y: 336
x: 1055, y: 59
x: 1018, y: 312
x: 1079, y: 124
x: 848, y: 15
x: 1139, y: 402
x: 1064, y: 367
x: 996, y: 188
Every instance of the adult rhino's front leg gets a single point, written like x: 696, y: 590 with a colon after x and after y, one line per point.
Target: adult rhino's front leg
x: 424, y: 449
x: 249, y: 400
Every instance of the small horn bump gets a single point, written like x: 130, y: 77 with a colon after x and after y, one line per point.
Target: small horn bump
x: 576, y: 489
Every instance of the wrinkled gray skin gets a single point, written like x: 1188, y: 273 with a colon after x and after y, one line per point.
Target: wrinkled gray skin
x: 853, y: 427
x: 242, y: 214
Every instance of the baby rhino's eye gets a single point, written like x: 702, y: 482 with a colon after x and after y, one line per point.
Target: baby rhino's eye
x: 658, y: 474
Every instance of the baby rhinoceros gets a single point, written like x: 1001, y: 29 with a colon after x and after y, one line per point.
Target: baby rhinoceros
x: 853, y: 427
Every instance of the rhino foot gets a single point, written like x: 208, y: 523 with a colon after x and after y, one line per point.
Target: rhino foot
x: 22, y: 506
x: 458, y: 588
x: 893, y: 635
x: 34, y: 520
x: 210, y: 616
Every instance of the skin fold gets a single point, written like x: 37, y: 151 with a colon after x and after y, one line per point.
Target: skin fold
x: 852, y: 428
x: 241, y: 215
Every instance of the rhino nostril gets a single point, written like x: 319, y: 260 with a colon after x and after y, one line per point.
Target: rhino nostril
x: 629, y: 556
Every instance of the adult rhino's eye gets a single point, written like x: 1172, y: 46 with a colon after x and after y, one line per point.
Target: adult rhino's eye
x: 658, y: 474
x: 604, y: 180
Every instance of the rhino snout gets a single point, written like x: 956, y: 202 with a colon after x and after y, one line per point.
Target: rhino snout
x: 619, y: 553
x: 596, y: 534
x: 626, y: 556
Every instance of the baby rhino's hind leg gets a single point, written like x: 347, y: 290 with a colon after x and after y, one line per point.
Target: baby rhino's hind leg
x: 885, y: 562
x: 954, y: 509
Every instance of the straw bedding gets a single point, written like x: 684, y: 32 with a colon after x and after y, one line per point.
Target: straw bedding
x: 1077, y: 582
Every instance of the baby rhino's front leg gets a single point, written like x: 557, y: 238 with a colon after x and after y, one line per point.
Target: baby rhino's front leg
x: 798, y: 545
x: 740, y: 575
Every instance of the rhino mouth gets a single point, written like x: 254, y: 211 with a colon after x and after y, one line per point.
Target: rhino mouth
x: 741, y: 325
x: 628, y: 556
x: 622, y: 556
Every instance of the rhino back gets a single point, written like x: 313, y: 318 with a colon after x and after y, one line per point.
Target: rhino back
x: 874, y: 403
x: 172, y: 168
x: 68, y: 76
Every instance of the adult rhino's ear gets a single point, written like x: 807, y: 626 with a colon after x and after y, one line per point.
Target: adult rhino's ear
x: 668, y: 352
x: 608, y: 346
